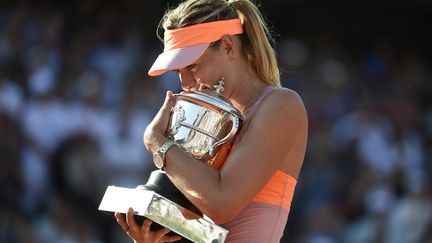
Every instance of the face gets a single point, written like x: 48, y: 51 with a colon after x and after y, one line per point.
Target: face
x: 205, y: 72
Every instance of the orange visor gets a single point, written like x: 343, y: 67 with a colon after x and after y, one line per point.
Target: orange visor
x: 184, y: 46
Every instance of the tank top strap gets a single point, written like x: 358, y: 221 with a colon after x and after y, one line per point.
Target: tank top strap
x: 251, y: 111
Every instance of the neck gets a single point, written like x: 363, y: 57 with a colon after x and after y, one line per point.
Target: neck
x: 246, y: 91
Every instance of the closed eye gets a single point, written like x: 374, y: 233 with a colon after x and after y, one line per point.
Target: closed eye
x: 191, y: 67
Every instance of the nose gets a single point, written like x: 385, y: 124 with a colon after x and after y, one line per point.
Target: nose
x: 188, y: 82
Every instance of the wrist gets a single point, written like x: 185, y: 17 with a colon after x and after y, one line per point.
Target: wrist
x: 158, y: 142
x: 153, y: 141
x: 159, y: 155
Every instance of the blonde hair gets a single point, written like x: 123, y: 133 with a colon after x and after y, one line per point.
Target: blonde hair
x: 256, y: 39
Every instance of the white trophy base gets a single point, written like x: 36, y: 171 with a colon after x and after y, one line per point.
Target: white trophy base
x: 163, y: 211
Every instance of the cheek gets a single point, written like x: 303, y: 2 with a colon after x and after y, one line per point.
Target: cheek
x: 211, y: 74
x: 203, y: 75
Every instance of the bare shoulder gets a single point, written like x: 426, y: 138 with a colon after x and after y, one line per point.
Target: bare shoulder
x: 281, y: 124
x: 285, y: 93
x: 282, y: 116
x: 282, y: 103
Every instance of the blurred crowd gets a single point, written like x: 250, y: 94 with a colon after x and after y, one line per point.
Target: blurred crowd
x: 75, y: 99
x: 367, y: 173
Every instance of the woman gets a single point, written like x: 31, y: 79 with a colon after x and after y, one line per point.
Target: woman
x: 205, y: 41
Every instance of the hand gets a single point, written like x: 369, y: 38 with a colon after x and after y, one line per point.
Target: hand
x: 143, y: 234
x: 155, y: 131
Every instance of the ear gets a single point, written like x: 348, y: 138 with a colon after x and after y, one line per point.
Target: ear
x: 228, y: 47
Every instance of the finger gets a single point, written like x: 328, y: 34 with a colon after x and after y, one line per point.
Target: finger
x: 168, y: 98
x: 168, y: 103
x: 162, y: 237
x: 160, y: 234
x: 146, y: 225
x: 171, y: 238
x: 162, y: 117
x: 121, y: 221
x: 165, y: 109
x: 145, y: 231
x: 130, y: 220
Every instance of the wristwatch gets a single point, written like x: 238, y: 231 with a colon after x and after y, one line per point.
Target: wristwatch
x: 159, y: 155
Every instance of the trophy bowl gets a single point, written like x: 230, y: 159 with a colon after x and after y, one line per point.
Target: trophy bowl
x: 204, y: 125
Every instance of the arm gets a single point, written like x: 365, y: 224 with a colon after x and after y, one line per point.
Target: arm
x: 275, y: 140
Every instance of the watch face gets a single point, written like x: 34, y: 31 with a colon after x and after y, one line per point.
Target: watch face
x: 158, y: 161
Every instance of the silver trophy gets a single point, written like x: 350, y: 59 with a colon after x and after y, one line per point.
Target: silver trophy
x: 204, y: 124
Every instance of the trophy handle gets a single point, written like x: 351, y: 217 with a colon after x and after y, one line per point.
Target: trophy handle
x: 179, y: 112
x: 235, y: 125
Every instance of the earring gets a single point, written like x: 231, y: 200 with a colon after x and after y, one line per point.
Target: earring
x: 219, y: 87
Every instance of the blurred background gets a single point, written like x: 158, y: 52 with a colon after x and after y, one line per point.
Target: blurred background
x: 75, y: 99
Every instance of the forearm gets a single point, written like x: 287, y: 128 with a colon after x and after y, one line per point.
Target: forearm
x: 200, y: 183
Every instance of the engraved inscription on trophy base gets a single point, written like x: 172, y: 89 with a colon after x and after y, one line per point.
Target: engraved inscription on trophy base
x: 163, y: 211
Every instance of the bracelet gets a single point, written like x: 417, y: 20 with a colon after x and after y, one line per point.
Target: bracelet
x: 159, y: 155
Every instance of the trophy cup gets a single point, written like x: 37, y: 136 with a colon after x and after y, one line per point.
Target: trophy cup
x: 204, y: 124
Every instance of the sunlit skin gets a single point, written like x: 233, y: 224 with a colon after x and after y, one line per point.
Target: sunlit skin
x: 142, y: 233
x: 275, y: 139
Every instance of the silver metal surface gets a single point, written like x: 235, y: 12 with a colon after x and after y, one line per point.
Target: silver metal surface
x: 201, y: 123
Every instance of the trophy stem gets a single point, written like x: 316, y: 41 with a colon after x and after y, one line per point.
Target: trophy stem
x: 161, y: 184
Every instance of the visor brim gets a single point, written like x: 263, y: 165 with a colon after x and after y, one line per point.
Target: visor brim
x: 177, y: 58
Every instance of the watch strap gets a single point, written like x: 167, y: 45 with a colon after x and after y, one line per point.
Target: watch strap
x: 163, y: 149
